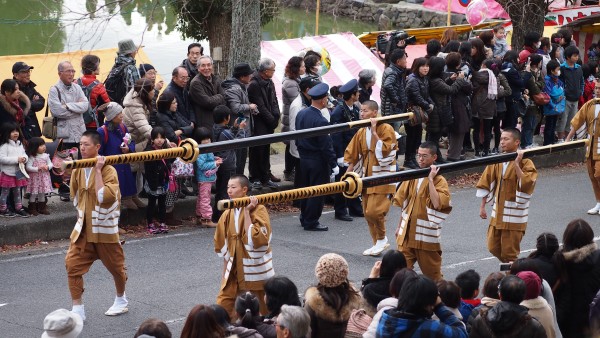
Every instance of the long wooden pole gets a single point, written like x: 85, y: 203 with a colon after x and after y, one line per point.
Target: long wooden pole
x: 317, y: 18
x: 189, y: 149
x: 351, y: 185
x: 449, y: 13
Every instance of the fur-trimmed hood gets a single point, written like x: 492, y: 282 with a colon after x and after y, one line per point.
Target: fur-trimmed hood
x: 314, y: 300
x: 579, y: 255
x: 24, y: 102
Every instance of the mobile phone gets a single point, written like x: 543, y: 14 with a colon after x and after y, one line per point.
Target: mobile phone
x: 240, y: 120
x: 505, y: 266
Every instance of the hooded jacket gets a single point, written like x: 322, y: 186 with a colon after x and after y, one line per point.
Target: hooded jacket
x: 539, y: 308
x: 573, y: 80
x: 236, y: 95
x: 325, y: 321
x: 506, y: 320
x: 395, y: 323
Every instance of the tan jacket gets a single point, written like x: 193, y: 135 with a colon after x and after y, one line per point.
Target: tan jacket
x: 510, y: 195
x: 101, y: 219
x: 586, y: 124
x: 420, y: 220
x: 248, y: 254
x: 135, y: 118
x: 378, y: 158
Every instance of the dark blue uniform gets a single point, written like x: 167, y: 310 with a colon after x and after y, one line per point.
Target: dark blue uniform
x: 317, y: 159
x: 342, y: 114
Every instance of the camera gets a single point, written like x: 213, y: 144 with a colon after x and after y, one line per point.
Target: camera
x: 383, y: 40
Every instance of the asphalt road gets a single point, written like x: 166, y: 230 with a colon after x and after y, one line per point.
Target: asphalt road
x: 169, y: 274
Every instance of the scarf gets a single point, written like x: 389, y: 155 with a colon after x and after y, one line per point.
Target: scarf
x: 492, y: 91
x: 19, y: 115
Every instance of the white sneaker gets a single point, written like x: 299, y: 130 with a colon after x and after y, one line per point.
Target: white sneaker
x: 78, y: 309
x: 369, y: 251
x: 380, y: 246
x: 595, y: 210
x: 118, y: 307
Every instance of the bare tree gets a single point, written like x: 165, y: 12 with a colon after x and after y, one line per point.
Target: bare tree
x: 526, y: 16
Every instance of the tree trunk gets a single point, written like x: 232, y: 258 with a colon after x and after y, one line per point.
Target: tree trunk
x: 219, y: 35
x: 245, y: 33
x: 527, y: 16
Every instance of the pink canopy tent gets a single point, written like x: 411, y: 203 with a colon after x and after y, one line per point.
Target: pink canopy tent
x: 494, y: 9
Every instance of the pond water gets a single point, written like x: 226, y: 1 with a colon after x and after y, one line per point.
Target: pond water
x: 50, y: 26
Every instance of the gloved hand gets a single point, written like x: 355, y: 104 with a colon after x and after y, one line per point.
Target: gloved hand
x: 335, y: 171
x: 340, y: 161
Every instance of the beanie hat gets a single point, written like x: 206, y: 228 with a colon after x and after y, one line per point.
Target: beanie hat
x: 126, y: 46
x: 533, y: 284
x: 112, y: 110
x: 242, y: 69
x: 62, y: 323
x: 145, y: 67
x: 331, y: 270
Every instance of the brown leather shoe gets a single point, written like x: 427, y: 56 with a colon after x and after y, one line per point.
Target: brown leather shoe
x: 207, y: 223
x: 32, y: 208
x: 275, y: 179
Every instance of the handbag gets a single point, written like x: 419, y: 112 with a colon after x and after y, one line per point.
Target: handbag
x: 182, y: 169
x: 49, y: 122
x: 541, y: 99
x: 419, y: 116
x: 172, y: 183
x: 60, y: 156
x: 520, y: 106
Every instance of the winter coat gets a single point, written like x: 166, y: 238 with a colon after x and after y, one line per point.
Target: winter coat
x: 572, y: 77
x: 393, y: 91
x: 98, y: 96
x: 506, y: 320
x: 417, y: 92
x: 395, y: 323
x: 131, y: 72
x: 261, y: 92
x: 343, y: 114
x: 573, y: 296
x: 8, y: 112
x: 205, y: 96
x: 506, y: 92
x: 461, y: 107
x: 265, y: 330
x: 223, y: 133
x: 236, y: 95
x: 171, y: 122
x: 156, y: 172
x: 365, y: 94
x: 482, y: 107
x: 555, y: 88
x: 290, y: 89
x: 386, y: 304
x: 375, y: 290
x: 69, y: 125
x: 206, y: 168
x: 112, y: 146
x: 326, y: 322
x: 539, y: 308
x: 9, y: 157
x: 242, y: 332
x: 515, y: 81
x: 547, y: 269
x: 32, y: 125
x: 184, y: 106
x: 588, y: 90
x: 135, y: 118
x: 486, y: 304
x: 441, y: 94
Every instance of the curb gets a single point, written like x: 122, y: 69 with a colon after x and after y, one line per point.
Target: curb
x: 59, y: 224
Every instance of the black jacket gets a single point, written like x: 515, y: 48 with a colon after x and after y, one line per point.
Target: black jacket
x: 573, y: 80
x: 393, y: 92
x: 156, y: 173
x: 184, y: 106
x: 417, y: 91
x: 171, y: 122
x: 191, y: 69
x: 342, y: 114
x: 441, y: 94
x: 32, y: 125
x: 223, y: 133
x: 261, y: 92
x: 374, y: 290
x: 506, y: 320
x: 515, y: 81
x: 461, y: 107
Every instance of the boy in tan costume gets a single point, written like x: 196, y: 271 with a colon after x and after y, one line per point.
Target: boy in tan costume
x: 95, y: 194
x: 243, y: 240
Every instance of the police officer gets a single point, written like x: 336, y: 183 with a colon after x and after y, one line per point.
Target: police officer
x: 317, y: 157
x: 345, y: 111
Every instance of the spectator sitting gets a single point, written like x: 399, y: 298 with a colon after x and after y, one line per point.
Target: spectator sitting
x: 330, y: 303
x: 468, y: 281
x: 537, y: 305
x: 417, y: 302
x: 154, y: 328
x: 293, y: 322
x: 247, y: 309
x: 391, y: 302
x: 507, y: 318
x: 176, y: 127
x: 377, y: 287
x: 450, y: 296
x: 202, y: 322
x: 546, y: 245
x: 489, y: 299
x: 279, y: 291
x: 223, y: 319
x: 62, y: 324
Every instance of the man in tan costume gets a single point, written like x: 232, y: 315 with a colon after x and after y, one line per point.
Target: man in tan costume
x: 510, y: 186
x: 425, y: 204
x: 95, y: 194
x: 243, y: 240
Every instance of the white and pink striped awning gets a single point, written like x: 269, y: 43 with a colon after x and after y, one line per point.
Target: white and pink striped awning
x: 348, y: 57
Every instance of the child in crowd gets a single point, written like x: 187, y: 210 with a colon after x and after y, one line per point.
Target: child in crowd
x: 590, y: 70
x: 450, y: 296
x: 571, y: 75
x: 39, y: 184
x: 157, y: 182
x: 500, y: 44
x: 247, y: 308
x: 12, y: 168
x: 468, y: 281
x: 206, y: 174
x: 555, y: 88
x: 223, y: 132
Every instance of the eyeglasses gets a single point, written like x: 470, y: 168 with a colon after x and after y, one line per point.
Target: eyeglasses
x: 423, y: 156
x: 270, y: 70
x: 71, y: 71
x: 25, y: 71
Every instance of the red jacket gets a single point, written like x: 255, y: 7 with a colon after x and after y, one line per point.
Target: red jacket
x: 98, y: 95
x: 525, y: 53
x: 588, y: 92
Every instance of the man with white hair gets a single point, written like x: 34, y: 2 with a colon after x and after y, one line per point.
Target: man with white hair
x: 292, y: 322
x: 261, y: 92
x: 206, y: 92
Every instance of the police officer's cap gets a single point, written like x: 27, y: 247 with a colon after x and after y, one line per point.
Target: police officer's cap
x: 350, y: 87
x: 319, y: 91
x: 308, y: 82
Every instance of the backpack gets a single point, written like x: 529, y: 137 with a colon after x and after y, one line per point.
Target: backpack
x: 116, y: 83
x: 121, y: 126
x: 90, y: 115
